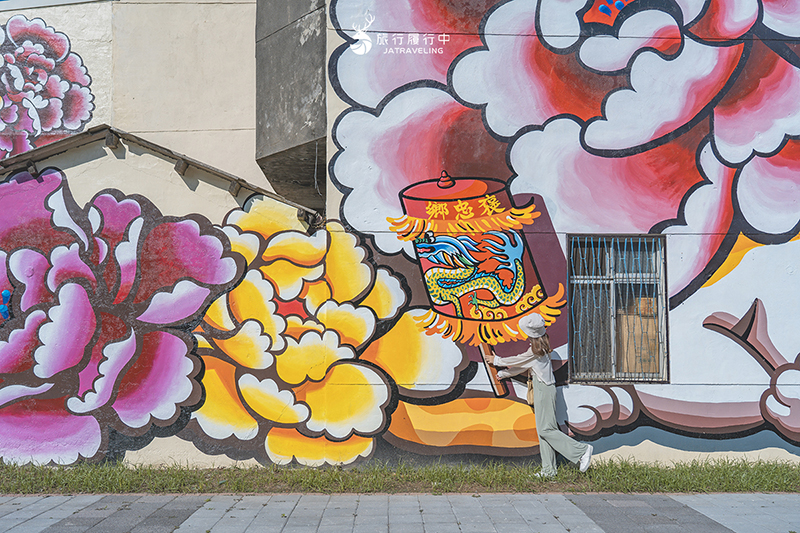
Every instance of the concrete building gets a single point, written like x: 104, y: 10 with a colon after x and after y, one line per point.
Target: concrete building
x: 291, y: 98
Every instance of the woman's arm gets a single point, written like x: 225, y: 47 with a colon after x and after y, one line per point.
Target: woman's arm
x: 510, y: 371
x: 515, y: 364
x: 524, y: 359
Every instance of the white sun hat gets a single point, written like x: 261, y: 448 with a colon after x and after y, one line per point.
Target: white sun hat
x: 532, y: 325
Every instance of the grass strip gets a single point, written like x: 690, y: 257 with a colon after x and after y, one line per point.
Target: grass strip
x: 603, y: 476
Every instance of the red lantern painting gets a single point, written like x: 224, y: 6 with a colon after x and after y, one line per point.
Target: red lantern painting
x: 478, y: 270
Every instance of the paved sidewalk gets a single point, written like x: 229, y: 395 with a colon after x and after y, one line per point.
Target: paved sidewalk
x: 401, y: 513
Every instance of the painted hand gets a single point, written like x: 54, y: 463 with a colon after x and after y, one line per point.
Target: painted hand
x: 780, y: 403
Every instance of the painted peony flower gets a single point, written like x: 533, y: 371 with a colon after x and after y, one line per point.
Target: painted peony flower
x: 411, y: 138
x: 97, y: 301
x: 611, y: 106
x: 307, y: 357
x: 605, y: 107
x: 44, y: 86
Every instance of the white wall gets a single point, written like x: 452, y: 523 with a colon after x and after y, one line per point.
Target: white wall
x: 179, y: 73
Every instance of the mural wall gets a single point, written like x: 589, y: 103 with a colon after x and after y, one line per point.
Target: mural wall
x: 474, y: 139
x: 676, y: 118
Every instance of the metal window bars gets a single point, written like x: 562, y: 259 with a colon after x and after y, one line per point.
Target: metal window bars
x: 618, y: 308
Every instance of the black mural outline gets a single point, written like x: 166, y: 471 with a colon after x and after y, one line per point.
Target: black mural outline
x: 232, y: 446
x: 739, y: 224
x: 376, y: 112
x: 777, y: 43
x: 482, y: 107
x: 261, y: 262
x: 575, y: 48
x: 333, y: 74
x: 713, y: 42
x: 673, y: 134
x: 581, y: 31
x: 623, y: 16
x: 721, y: 254
x: 150, y: 214
x: 463, y: 373
x: 460, y: 372
x: 387, y: 408
x: 772, y: 45
x: 747, y: 229
x: 119, y: 443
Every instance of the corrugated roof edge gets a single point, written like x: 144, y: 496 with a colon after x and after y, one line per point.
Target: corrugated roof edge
x: 110, y: 136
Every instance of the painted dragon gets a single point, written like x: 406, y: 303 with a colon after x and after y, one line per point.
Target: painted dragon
x: 493, y: 263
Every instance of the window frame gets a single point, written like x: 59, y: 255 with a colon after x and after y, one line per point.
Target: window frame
x: 614, y: 376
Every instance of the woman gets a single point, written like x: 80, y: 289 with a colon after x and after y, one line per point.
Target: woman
x: 536, y: 361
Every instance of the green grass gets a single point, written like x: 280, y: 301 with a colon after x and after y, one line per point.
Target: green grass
x: 604, y: 476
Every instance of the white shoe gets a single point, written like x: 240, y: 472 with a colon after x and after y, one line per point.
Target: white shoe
x: 542, y: 475
x: 586, y: 459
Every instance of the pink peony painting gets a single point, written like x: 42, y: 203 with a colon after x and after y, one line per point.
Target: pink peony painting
x: 98, y: 307
x: 44, y: 85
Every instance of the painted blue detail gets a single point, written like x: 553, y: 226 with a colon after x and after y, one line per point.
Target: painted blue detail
x: 604, y: 10
x: 4, y: 311
x: 619, y: 4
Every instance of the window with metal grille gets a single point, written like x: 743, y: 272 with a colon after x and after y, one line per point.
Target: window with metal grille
x: 618, y: 308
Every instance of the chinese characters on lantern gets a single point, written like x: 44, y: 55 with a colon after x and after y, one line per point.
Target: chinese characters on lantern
x: 465, y: 209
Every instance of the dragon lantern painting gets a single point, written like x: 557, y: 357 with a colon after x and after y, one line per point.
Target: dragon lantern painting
x: 470, y: 272
x: 478, y: 270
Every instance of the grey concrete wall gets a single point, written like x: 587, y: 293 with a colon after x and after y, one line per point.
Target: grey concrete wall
x: 290, y: 97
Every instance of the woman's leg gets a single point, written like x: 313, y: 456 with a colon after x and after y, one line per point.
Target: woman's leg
x: 545, y: 418
x: 550, y: 436
x: 548, y: 455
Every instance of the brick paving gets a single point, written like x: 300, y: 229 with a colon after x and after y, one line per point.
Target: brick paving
x: 400, y: 513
